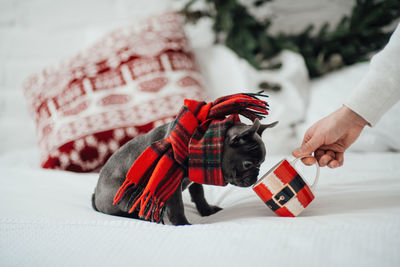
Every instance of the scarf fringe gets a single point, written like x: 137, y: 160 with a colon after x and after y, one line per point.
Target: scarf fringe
x: 248, y: 105
x: 122, y: 191
x: 148, y: 206
x: 152, y: 209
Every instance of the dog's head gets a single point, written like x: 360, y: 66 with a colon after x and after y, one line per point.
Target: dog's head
x: 243, y: 153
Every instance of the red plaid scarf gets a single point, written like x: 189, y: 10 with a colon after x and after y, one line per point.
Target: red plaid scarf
x: 196, y: 140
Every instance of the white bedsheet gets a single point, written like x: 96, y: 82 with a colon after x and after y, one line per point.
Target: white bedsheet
x: 46, y: 219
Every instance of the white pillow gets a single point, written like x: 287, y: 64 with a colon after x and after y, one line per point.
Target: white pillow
x: 225, y: 73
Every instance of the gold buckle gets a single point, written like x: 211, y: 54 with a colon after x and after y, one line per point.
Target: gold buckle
x: 281, y: 198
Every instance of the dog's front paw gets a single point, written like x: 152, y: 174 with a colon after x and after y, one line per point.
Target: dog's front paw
x: 209, y: 210
x: 179, y: 220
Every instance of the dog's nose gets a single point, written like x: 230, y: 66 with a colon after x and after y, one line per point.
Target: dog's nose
x: 251, y: 181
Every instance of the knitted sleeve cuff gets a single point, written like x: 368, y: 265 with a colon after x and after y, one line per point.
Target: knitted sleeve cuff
x: 380, y: 88
x: 373, y: 96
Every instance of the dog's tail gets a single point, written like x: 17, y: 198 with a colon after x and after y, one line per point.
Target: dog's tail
x: 93, y: 202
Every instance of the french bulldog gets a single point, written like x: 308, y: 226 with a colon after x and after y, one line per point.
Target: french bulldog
x: 243, y: 153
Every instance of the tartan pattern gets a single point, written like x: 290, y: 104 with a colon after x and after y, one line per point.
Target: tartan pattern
x: 205, y: 152
x: 194, y: 146
x: 284, y: 191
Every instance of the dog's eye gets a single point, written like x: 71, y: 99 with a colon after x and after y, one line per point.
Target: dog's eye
x: 247, y: 164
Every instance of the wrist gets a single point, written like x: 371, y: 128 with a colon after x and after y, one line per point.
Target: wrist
x: 353, y: 117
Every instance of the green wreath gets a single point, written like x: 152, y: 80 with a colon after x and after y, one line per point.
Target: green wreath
x: 352, y: 40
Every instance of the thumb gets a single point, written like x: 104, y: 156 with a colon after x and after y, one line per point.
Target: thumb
x: 307, y: 148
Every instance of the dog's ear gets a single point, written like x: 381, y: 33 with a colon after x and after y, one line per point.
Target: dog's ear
x: 266, y: 126
x: 245, y: 135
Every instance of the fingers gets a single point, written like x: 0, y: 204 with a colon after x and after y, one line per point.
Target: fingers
x: 310, y: 144
x: 333, y: 164
x: 329, y: 158
x: 338, y: 162
x: 325, y: 158
x: 319, y: 153
x: 309, y: 161
x: 314, y: 142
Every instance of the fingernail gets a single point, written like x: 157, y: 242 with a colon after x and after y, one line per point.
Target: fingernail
x: 323, y: 163
x: 297, y: 151
x: 334, y: 165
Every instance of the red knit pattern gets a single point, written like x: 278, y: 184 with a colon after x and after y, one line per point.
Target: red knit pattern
x: 127, y: 83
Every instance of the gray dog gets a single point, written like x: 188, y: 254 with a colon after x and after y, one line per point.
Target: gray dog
x: 243, y: 153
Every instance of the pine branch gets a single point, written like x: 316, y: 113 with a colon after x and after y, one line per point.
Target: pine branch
x: 352, y: 40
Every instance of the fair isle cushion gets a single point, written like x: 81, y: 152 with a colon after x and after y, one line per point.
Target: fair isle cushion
x: 131, y: 81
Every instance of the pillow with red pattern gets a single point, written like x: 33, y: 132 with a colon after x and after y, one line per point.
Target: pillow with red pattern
x: 131, y: 81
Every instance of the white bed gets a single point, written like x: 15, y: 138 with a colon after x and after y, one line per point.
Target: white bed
x: 46, y: 218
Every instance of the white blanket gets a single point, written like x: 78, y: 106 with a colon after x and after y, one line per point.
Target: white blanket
x: 47, y: 220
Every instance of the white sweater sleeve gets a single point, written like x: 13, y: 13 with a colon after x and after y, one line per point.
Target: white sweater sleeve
x: 379, y: 90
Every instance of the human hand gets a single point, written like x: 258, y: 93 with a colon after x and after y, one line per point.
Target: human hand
x: 329, y: 138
